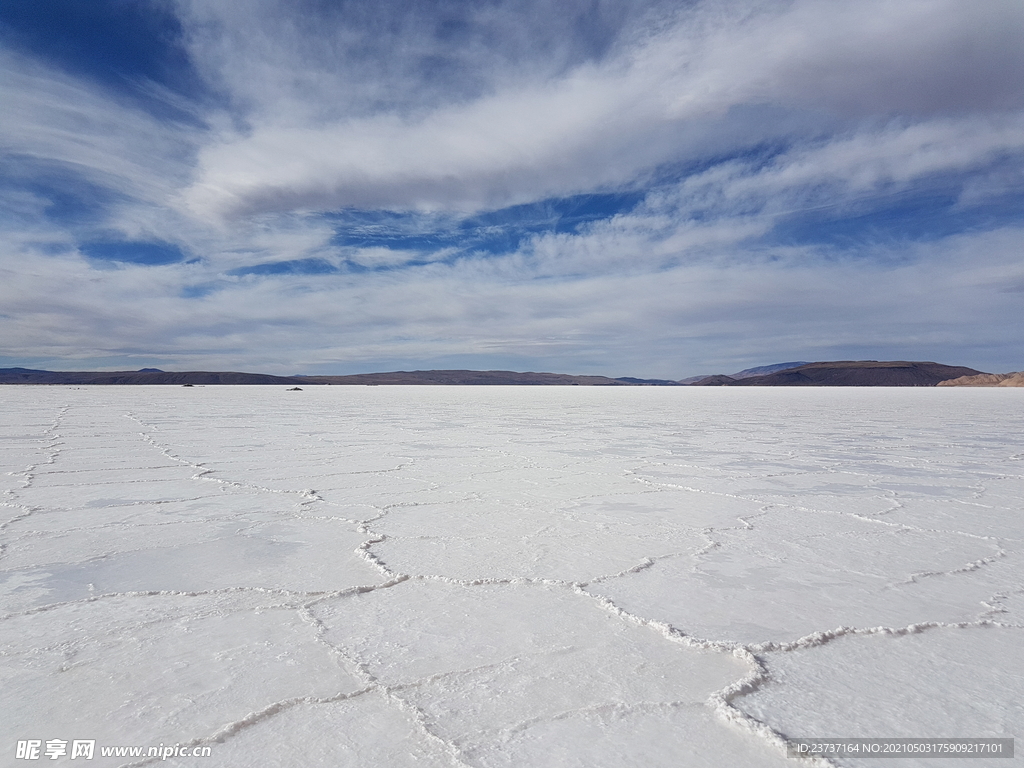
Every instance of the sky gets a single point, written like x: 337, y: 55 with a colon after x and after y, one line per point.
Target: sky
x: 615, y: 187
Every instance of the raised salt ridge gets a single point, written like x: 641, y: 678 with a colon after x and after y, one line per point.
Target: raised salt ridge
x: 504, y: 576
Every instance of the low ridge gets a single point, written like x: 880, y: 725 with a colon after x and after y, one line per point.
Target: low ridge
x: 29, y: 376
x: 987, y: 380
x: 843, y: 373
x: 850, y: 373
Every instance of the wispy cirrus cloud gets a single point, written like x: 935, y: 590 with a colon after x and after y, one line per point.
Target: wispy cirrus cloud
x: 677, y: 93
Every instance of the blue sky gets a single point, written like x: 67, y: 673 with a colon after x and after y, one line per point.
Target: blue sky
x: 622, y: 188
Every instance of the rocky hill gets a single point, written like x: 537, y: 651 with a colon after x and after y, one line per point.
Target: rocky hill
x: 850, y: 373
x: 987, y: 380
x: 746, y: 373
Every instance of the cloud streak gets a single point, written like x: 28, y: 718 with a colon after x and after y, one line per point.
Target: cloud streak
x: 630, y: 189
x: 666, y: 97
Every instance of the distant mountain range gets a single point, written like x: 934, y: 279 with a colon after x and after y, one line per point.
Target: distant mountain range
x: 150, y: 376
x: 485, y: 378
x: 153, y: 376
x: 747, y: 373
x: 845, y: 373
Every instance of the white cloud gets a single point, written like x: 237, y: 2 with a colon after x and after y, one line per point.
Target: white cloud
x: 869, y: 58
x: 55, y: 119
x: 865, y: 165
x: 950, y: 300
x: 775, y: 107
x: 668, y: 96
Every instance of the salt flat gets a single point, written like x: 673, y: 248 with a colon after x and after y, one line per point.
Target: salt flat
x: 497, y: 576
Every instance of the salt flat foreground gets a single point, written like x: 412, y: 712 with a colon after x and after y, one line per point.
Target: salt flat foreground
x: 462, y: 576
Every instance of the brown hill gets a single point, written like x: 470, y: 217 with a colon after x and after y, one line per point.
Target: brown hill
x: 472, y: 378
x: 28, y: 376
x: 868, y: 373
x: 719, y: 380
x: 987, y: 380
x: 859, y: 373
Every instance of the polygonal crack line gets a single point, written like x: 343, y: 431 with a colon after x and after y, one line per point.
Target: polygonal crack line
x: 619, y: 708
x: 670, y: 633
x: 333, y: 519
x: 52, y: 450
x: 493, y: 581
x: 361, y: 671
x: 970, y: 567
x: 902, y: 526
x: 711, y: 545
x: 643, y: 565
x: 820, y: 638
x: 385, y: 509
x: 235, y: 727
x: 745, y: 519
x: 720, y: 701
x: 203, y: 472
x: 894, y: 500
x: 994, y: 606
x: 363, y: 551
x: 29, y: 512
x: 890, y: 525
x: 761, y: 676
x: 702, y: 491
